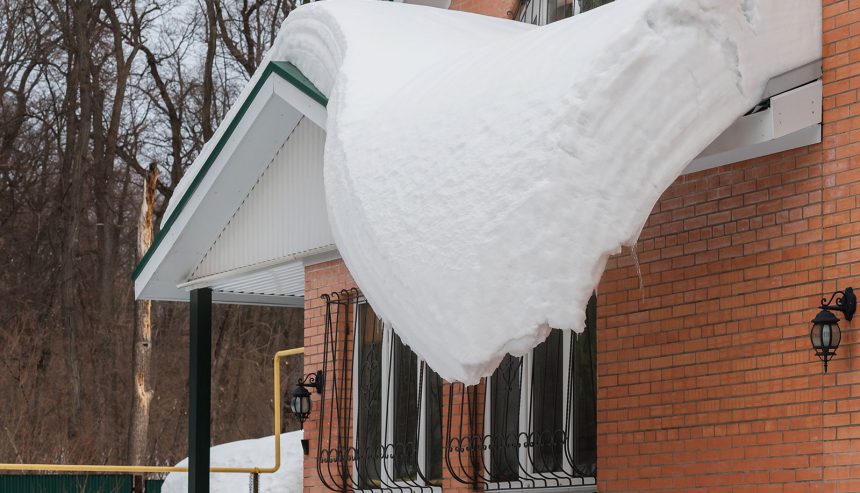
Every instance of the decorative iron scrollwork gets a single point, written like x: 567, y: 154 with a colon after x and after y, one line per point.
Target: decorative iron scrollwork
x: 846, y: 302
x: 529, y: 426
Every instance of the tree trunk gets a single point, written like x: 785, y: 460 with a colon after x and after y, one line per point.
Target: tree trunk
x: 78, y: 132
x: 208, y: 67
x: 142, y: 384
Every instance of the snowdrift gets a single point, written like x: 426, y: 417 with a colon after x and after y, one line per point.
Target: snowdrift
x: 480, y: 171
x: 250, y: 453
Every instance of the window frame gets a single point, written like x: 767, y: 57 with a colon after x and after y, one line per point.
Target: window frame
x: 387, y: 393
x: 586, y: 484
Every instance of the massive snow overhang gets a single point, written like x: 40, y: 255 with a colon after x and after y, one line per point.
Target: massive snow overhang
x: 477, y: 185
x: 475, y: 189
x: 215, y: 185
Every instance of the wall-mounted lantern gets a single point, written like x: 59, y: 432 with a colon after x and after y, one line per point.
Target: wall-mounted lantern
x: 301, y: 400
x: 825, y: 333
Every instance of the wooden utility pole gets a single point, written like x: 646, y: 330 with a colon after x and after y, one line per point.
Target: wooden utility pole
x: 142, y: 395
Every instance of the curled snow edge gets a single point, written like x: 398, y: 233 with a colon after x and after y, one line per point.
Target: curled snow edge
x: 479, y: 172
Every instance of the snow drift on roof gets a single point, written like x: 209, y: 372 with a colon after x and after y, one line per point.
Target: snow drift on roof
x: 479, y: 172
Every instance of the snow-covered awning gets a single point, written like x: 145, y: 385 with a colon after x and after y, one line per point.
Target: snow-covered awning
x: 452, y: 181
x: 278, y: 118
x: 506, y: 167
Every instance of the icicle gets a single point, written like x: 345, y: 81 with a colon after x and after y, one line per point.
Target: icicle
x: 638, y: 270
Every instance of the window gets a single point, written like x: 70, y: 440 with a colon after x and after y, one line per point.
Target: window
x: 530, y: 425
x: 541, y: 410
x: 541, y: 12
x: 368, y: 336
x: 398, y: 408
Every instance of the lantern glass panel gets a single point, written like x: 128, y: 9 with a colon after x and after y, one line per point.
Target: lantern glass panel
x: 836, y: 336
x: 816, y: 336
x: 301, y: 402
x: 826, y: 332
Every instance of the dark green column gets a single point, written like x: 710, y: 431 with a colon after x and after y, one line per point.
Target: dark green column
x: 200, y: 390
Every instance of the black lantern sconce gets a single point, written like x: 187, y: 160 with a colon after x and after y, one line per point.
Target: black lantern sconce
x: 301, y: 400
x: 825, y: 333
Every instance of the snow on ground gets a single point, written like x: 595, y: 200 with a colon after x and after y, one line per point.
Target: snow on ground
x: 479, y: 172
x: 250, y: 453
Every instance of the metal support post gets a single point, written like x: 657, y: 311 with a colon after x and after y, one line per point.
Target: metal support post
x: 200, y: 390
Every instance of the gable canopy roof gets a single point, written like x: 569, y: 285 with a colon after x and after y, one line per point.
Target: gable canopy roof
x: 272, y: 106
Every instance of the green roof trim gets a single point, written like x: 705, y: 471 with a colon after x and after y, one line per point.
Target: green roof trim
x: 294, y: 76
x: 284, y: 70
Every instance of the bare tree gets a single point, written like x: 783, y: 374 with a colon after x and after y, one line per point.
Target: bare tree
x: 96, y: 98
x: 247, y: 29
x: 143, y: 393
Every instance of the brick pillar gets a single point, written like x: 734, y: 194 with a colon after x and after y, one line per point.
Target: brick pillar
x: 467, y: 418
x: 320, y: 279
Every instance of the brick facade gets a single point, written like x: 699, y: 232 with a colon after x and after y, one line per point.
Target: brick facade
x: 707, y: 381
x: 706, y: 378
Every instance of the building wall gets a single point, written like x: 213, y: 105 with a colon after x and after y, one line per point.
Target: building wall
x: 707, y: 380
x: 493, y: 8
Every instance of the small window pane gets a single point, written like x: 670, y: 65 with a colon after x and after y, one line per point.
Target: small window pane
x: 505, y: 387
x: 369, y: 419
x: 584, y: 354
x: 547, y: 403
x: 405, y: 403
x: 433, y: 408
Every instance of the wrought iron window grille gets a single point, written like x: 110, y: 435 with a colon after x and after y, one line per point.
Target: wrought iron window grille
x: 542, y: 12
x: 378, y: 431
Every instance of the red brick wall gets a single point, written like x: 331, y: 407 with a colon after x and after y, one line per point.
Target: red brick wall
x: 707, y: 381
x: 493, y: 8
x: 706, y: 378
x: 320, y: 279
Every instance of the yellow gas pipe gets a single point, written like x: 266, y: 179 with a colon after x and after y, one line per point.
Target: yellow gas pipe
x: 154, y: 469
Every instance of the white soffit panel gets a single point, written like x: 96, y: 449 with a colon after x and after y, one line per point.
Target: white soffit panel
x: 282, y: 218
x: 792, y: 120
x: 283, y: 280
